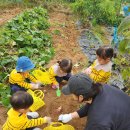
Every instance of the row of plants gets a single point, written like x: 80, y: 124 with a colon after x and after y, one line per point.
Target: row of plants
x: 26, y: 35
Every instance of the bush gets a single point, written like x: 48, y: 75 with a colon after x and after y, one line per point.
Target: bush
x: 100, y: 11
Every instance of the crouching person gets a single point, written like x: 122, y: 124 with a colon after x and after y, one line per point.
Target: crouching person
x: 19, y: 117
x: 107, y: 107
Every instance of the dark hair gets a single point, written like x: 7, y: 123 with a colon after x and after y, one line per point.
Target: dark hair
x: 96, y: 88
x: 105, y: 52
x: 21, y: 100
x: 65, y: 65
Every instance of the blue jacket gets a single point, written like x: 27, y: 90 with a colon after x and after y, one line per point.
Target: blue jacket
x: 110, y: 110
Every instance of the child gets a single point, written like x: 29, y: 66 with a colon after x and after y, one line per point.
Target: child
x: 100, y: 70
x: 19, y: 76
x: 60, y: 71
x: 18, y: 116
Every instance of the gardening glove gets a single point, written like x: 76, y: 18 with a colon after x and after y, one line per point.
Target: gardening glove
x: 33, y: 114
x: 88, y: 71
x: 65, y: 118
x: 34, y: 86
x: 48, y: 119
x: 55, y: 86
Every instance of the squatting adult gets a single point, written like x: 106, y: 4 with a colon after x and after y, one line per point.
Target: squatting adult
x: 107, y: 108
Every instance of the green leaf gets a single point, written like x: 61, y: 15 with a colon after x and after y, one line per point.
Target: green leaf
x: 125, y: 24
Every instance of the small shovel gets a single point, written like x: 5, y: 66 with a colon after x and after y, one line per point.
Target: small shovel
x: 58, y: 92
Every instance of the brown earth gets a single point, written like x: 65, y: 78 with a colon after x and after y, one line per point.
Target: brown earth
x: 7, y: 14
x: 66, y: 46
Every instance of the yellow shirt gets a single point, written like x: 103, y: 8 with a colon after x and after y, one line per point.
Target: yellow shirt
x: 100, y: 73
x: 19, y: 79
x: 55, y: 71
x: 18, y: 121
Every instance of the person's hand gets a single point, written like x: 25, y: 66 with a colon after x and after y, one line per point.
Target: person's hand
x: 33, y: 114
x: 88, y: 71
x: 55, y: 86
x: 65, y: 118
x: 39, y: 83
x: 48, y: 119
x: 34, y: 86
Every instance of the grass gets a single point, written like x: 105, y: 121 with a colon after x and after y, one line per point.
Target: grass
x: 101, y: 32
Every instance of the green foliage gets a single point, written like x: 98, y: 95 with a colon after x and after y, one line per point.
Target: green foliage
x: 122, y: 62
x: 124, y: 26
x: 4, y: 95
x: 69, y: 0
x: 26, y: 35
x: 57, y: 32
x: 100, y: 11
x: 123, y: 59
x: 124, y: 32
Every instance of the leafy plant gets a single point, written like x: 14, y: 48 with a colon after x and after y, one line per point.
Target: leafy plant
x: 4, y: 95
x: 57, y: 32
x: 124, y: 33
x: 123, y: 59
x: 27, y: 35
x: 99, y: 11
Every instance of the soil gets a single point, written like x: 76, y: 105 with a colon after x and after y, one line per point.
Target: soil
x: 7, y: 14
x: 66, y: 46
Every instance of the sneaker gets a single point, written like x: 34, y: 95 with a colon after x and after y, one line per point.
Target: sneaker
x: 33, y: 114
x: 37, y: 128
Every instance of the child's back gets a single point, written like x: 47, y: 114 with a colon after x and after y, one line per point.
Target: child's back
x: 19, y: 117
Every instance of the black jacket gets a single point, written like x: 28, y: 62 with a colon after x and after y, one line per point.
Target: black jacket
x: 110, y: 110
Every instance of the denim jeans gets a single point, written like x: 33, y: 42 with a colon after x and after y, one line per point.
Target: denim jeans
x: 15, y: 88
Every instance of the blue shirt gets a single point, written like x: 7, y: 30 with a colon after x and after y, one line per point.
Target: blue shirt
x: 110, y: 110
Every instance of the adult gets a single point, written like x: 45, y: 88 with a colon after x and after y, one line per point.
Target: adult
x: 107, y: 108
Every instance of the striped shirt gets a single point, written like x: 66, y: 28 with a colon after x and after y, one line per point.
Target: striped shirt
x: 55, y: 71
x: 19, y: 121
x: 101, y: 73
x: 19, y: 79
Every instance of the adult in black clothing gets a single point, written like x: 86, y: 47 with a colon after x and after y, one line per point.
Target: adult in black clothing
x: 108, y: 107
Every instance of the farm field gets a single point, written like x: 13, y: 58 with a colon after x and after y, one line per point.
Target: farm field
x: 65, y: 46
x: 48, y: 31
